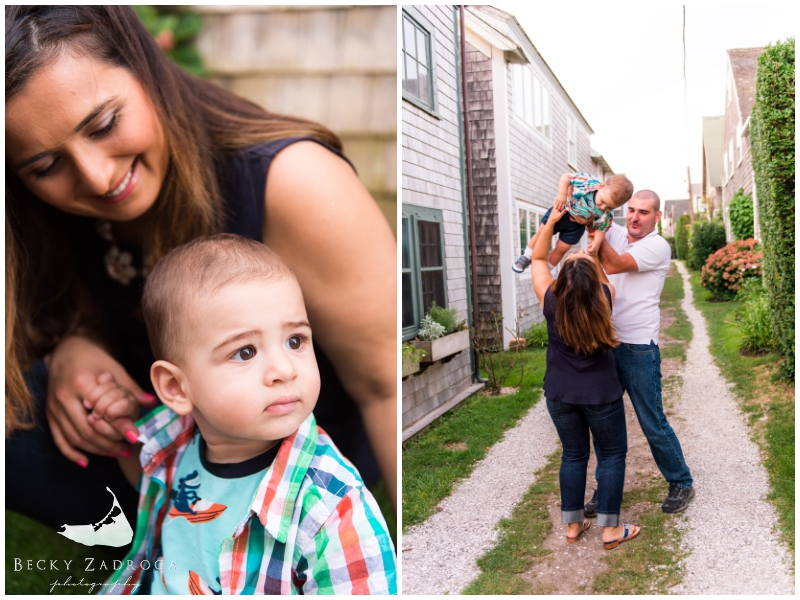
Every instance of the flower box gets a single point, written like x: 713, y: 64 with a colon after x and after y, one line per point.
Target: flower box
x: 444, y: 346
x: 410, y: 367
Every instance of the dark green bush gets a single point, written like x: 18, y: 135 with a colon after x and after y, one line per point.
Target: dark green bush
x: 707, y: 238
x: 671, y: 241
x: 682, y: 229
x: 772, y: 138
x: 740, y: 212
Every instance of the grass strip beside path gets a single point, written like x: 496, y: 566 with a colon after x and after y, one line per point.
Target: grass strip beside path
x: 679, y: 332
x: 521, y: 539
x: 650, y: 564
x: 449, y: 449
x: 760, y: 397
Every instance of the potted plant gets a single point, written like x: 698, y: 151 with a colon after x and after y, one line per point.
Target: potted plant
x: 411, y: 359
x: 441, y: 334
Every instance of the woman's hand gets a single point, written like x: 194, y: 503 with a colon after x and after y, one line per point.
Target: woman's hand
x: 557, y: 213
x: 74, y: 368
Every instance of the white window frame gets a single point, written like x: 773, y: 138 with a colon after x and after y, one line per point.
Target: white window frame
x: 530, y: 211
x: 572, y: 142
x: 725, y: 166
x: 739, y: 135
x: 531, y: 100
x: 730, y: 154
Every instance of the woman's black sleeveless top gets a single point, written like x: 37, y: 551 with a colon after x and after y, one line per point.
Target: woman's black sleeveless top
x: 576, y: 378
x: 242, y: 179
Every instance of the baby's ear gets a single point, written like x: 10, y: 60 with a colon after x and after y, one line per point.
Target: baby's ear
x: 168, y: 381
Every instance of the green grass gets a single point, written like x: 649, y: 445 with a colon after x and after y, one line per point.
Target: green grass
x: 447, y: 451
x: 680, y: 330
x: 759, y: 396
x: 521, y: 539
x: 651, y: 564
x: 28, y: 540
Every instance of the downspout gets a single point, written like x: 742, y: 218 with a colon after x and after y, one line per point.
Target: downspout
x: 473, y: 283
x: 461, y: 170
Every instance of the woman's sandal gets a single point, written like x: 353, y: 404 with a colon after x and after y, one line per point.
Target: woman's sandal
x: 586, y: 525
x: 626, y: 535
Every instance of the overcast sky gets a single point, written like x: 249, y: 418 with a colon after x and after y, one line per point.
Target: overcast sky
x: 623, y: 68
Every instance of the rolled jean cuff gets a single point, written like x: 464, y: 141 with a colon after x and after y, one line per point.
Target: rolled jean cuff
x: 572, y: 516
x: 607, y: 519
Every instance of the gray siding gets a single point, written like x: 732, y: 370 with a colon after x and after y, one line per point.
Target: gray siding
x: 432, y: 178
x: 537, y: 164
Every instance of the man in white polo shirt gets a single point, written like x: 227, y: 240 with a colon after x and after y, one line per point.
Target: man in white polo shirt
x: 636, y: 260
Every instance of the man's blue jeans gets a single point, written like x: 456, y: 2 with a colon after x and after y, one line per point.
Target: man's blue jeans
x: 639, y: 370
x: 607, y: 424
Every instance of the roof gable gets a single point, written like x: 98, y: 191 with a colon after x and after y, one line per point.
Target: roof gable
x: 744, y: 64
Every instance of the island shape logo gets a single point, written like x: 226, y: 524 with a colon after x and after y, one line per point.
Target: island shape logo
x: 113, y: 530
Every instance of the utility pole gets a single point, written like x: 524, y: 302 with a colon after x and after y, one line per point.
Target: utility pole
x: 691, y: 200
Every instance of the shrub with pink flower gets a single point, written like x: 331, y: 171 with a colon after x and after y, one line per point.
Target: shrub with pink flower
x: 725, y: 270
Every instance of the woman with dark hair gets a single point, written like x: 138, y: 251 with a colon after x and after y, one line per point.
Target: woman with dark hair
x: 114, y: 156
x: 581, y: 386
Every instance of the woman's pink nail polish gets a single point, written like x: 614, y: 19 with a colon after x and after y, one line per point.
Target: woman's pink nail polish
x: 131, y: 437
x: 82, y: 463
x: 147, y: 396
x: 125, y: 453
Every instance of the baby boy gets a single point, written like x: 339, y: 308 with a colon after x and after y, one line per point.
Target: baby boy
x: 241, y: 492
x: 589, y: 204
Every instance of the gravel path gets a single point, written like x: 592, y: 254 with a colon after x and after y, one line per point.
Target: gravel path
x: 729, y: 525
x: 439, y: 555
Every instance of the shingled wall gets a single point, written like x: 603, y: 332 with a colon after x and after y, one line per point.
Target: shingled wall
x: 480, y: 105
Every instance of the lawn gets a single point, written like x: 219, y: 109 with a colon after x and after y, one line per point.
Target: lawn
x: 761, y: 397
x: 448, y: 450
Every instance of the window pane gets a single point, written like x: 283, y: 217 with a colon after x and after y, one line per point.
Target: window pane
x: 537, y: 103
x: 523, y: 230
x: 432, y: 289
x: 408, y: 37
x: 412, y: 84
x: 406, y: 246
x: 424, y: 85
x: 430, y: 245
x: 408, y: 302
x: 519, y: 98
x: 545, y: 112
x: 528, y: 96
x: 422, y: 48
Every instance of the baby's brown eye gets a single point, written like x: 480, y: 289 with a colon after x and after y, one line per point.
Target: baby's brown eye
x: 246, y: 353
x: 294, y: 342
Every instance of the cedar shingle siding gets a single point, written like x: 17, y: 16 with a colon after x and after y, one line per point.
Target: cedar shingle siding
x: 484, y: 185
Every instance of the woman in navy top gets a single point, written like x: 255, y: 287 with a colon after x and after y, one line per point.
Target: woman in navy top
x: 581, y: 387
x: 114, y: 156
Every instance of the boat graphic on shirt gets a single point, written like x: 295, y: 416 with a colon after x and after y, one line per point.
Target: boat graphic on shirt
x: 187, y: 503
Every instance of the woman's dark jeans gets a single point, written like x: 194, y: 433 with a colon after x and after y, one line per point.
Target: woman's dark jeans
x: 44, y: 485
x: 607, y: 425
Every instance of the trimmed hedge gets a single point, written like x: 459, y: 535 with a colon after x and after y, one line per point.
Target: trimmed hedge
x: 740, y: 212
x: 772, y: 137
x: 671, y: 241
x: 682, y: 237
x: 707, y: 238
